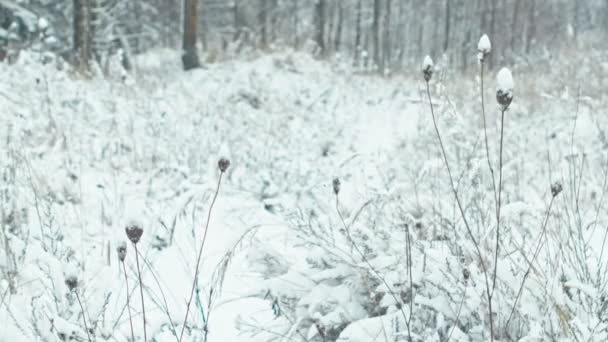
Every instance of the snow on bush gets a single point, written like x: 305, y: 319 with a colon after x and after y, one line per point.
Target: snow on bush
x: 381, y: 255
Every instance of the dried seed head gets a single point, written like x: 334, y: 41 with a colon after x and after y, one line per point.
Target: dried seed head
x: 72, y: 282
x: 134, y: 231
x: 504, y: 88
x: 336, y: 185
x: 122, y: 250
x: 223, y: 164
x: 466, y: 274
x: 556, y: 188
x: 427, y: 68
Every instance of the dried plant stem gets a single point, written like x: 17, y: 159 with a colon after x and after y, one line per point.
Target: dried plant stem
x: 498, y: 204
x: 84, y: 319
x: 462, y: 214
x: 141, y: 290
x: 128, y: 301
x: 464, y: 296
x: 485, y: 132
x: 200, y: 254
x: 371, y: 267
x: 536, y: 252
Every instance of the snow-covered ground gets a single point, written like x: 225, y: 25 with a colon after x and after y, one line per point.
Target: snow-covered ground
x: 82, y: 158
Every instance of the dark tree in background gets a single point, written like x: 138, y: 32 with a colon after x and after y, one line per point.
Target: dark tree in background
x: 82, y: 35
x: 190, y: 58
x: 376, y: 35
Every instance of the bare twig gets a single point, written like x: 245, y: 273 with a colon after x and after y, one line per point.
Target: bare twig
x: 462, y: 214
x: 200, y: 254
x: 84, y: 319
x: 128, y: 300
x: 141, y: 290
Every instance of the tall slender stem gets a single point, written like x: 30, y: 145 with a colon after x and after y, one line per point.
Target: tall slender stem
x: 200, y: 254
x: 536, y: 252
x: 498, y: 205
x: 462, y: 214
x: 84, y: 318
x: 141, y: 290
x: 128, y: 301
x: 485, y: 132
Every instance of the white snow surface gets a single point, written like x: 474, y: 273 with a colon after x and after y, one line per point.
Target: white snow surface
x: 82, y: 157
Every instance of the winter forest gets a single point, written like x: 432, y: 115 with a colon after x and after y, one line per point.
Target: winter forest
x: 303, y: 170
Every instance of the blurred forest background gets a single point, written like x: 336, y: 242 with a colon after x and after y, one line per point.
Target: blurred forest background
x: 375, y: 35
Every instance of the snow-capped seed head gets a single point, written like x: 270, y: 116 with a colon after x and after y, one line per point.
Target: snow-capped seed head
x: 504, y: 88
x: 71, y: 282
x: 122, y: 250
x: 556, y: 188
x: 223, y: 164
x: 484, y: 47
x: 134, y: 231
x: 427, y: 68
x: 336, y: 185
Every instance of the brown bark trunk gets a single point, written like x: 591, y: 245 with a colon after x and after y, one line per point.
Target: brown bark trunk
x: 320, y: 24
x: 190, y: 58
x: 82, y: 37
x: 376, y: 33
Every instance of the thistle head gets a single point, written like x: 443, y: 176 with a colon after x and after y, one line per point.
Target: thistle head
x: 336, y: 185
x: 134, y: 231
x: 504, y: 88
x: 122, y: 251
x: 556, y: 188
x: 71, y: 281
x: 427, y: 68
x: 223, y: 164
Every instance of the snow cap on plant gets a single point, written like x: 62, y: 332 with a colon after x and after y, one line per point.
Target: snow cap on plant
x: 122, y: 250
x: 504, y: 88
x: 427, y: 68
x: 336, y: 185
x: 484, y: 47
x: 134, y: 231
x: 556, y: 188
x: 223, y: 164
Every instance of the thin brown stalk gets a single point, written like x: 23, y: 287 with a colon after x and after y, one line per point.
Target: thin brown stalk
x: 200, y: 254
x: 485, y: 132
x: 84, y: 319
x: 462, y: 214
x: 128, y: 301
x: 499, y: 204
x: 141, y: 290
x: 536, y: 252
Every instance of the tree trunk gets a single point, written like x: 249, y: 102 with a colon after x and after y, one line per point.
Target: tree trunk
x: 235, y: 18
x: 514, y: 24
x: 82, y: 36
x: 338, y: 39
x: 190, y: 58
x: 263, y: 24
x: 446, y: 42
x: 320, y: 24
x: 296, y: 23
x: 531, y: 26
x: 493, y: 36
x: 376, y: 33
x: 358, y: 34
x: 387, y: 37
